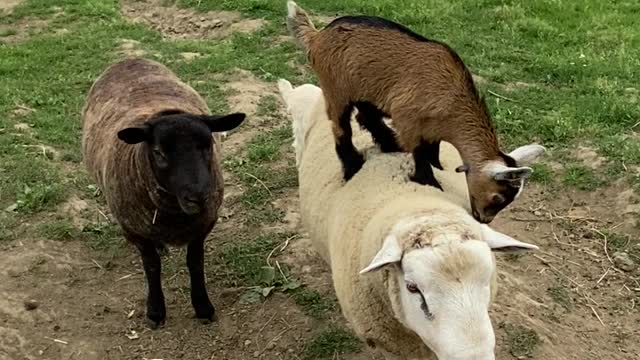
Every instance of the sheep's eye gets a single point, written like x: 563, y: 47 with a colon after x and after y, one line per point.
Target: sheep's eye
x: 159, y: 154
x: 412, y: 288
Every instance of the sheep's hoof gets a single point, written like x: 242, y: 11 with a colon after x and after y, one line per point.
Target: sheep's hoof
x: 207, y: 315
x: 154, y: 323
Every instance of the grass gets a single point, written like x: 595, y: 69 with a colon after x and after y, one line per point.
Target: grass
x: 522, y: 341
x: 561, y: 296
x: 331, y: 343
x: 313, y: 303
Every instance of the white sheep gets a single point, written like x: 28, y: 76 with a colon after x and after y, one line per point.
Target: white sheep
x: 412, y: 269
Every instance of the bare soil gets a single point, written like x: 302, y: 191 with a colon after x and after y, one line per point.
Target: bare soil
x: 178, y: 23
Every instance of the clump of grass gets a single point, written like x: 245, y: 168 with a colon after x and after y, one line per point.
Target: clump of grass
x: 246, y: 259
x: 314, y: 304
x: 7, y: 32
x: 104, y: 237
x: 267, y: 106
x: 542, y: 174
x: 561, y: 296
x: 60, y: 230
x: 331, y: 343
x: 37, y: 198
x: 522, y: 341
x: 581, y: 177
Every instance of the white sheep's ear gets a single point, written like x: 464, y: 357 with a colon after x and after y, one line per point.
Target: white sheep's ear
x: 498, y: 241
x: 525, y: 155
x: 501, y: 172
x: 391, y: 252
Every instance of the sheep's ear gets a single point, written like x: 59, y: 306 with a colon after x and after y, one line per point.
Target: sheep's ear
x: 134, y: 135
x: 525, y: 155
x: 390, y: 253
x: 219, y: 123
x: 498, y: 241
x: 511, y: 174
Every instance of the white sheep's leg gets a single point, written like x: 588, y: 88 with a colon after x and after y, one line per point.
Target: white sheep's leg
x: 199, y: 297
x: 156, y: 311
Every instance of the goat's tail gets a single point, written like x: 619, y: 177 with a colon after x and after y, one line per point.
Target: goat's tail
x: 300, y: 25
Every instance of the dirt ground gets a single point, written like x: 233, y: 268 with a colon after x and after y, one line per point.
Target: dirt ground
x: 68, y: 301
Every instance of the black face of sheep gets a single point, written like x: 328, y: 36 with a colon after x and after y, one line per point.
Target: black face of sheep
x: 180, y: 151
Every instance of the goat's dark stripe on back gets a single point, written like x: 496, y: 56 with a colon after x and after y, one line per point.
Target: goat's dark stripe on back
x: 377, y: 22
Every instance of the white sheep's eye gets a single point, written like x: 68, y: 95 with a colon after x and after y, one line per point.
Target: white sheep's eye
x: 412, y: 288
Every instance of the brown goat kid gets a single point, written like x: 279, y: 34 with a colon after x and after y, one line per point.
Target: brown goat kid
x: 147, y: 142
x: 385, y: 70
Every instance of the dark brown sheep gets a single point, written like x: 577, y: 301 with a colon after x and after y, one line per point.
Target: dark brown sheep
x: 385, y: 70
x: 147, y: 142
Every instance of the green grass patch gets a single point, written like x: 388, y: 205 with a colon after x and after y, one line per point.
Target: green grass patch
x: 313, y: 303
x: 61, y: 230
x: 522, y: 341
x: 331, y: 343
x: 105, y: 237
x: 542, y: 174
x: 582, y: 178
x: 561, y: 296
x: 7, y: 32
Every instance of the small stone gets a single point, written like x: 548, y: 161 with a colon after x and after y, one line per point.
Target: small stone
x: 188, y: 56
x: 623, y: 261
x: 256, y: 354
x: 270, y: 346
x: 537, y: 213
x: 247, y: 342
x: 31, y: 305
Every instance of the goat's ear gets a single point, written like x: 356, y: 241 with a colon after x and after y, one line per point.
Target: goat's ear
x: 390, y: 253
x: 134, y: 135
x: 220, y: 123
x: 526, y: 155
x: 498, y: 241
x: 511, y: 174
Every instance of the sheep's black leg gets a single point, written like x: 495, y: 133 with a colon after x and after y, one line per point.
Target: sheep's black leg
x: 423, y: 157
x: 199, y: 298
x: 371, y: 118
x: 351, y: 159
x: 156, y: 311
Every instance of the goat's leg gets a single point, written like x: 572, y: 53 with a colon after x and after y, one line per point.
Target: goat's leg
x: 156, y: 311
x: 371, y: 118
x: 433, y: 153
x: 422, y: 156
x: 351, y: 159
x: 199, y: 297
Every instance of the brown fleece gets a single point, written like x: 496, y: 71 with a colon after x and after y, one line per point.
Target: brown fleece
x: 127, y: 94
x: 422, y: 85
x: 347, y: 224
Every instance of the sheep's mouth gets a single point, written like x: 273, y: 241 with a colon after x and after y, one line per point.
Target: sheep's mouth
x: 190, y: 207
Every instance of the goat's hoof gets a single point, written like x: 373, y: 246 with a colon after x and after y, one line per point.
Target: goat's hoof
x: 352, y: 169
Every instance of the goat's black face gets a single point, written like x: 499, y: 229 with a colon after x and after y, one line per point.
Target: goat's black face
x: 180, y: 150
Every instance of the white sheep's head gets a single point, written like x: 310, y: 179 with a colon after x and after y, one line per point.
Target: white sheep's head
x: 443, y: 283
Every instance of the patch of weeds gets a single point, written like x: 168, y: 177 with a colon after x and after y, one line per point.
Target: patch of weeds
x: 103, y: 236
x: 522, y: 341
x: 561, y: 296
x: 331, y: 343
x: 314, y: 304
x: 512, y: 257
x: 39, y: 197
x: 542, y: 174
x: 266, y: 147
x: 248, y: 265
x: 8, y: 223
x: 7, y: 32
x: 60, y: 230
x: 581, y: 177
x: 267, y: 106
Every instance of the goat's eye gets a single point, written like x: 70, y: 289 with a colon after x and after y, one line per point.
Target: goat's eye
x: 412, y: 288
